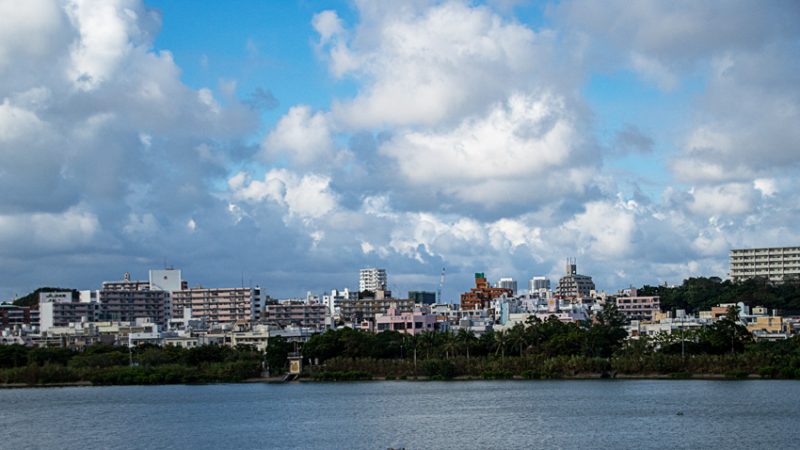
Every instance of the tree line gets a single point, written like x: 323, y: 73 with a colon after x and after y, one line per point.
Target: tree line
x: 701, y: 293
x: 147, y: 364
x: 551, y: 349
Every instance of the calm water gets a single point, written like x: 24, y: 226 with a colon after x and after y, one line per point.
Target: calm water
x: 379, y: 415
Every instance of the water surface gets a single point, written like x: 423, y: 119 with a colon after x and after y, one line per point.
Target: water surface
x: 380, y: 415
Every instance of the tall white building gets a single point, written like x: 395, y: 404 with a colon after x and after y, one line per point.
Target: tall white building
x: 372, y: 279
x: 776, y: 264
x: 508, y: 283
x: 165, y: 280
x: 538, y: 284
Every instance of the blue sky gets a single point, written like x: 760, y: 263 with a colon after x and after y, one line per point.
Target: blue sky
x: 291, y: 143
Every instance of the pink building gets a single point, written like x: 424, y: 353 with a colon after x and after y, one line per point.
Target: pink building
x: 417, y: 321
x: 637, y: 307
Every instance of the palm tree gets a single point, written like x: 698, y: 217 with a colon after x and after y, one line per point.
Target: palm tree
x: 428, y: 341
x: 466, y: 338
x: 412, y: 341
x: 501, y: 341
x: 517, y: 338
x: 449, y: 344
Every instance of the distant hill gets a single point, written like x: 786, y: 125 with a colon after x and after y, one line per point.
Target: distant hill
x: 33, y: 298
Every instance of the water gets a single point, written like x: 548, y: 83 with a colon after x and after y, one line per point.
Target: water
x: 380, y: 415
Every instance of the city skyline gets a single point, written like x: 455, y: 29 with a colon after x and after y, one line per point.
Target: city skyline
x: 290, y: 144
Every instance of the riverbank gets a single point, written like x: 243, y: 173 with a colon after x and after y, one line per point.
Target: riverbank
x: 421, y: 378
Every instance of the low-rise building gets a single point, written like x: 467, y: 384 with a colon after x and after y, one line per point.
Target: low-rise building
x: 636, y: 307
x: 414, y: 322
x: 16, y: 316
x: 356, y: 311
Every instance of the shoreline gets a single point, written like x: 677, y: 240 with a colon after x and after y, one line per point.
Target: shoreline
x: 279, y: 380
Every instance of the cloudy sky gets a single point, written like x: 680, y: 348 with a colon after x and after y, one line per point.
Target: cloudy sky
x: 288, y: 144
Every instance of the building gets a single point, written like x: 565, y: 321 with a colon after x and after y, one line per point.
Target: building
x: 372, y: 279
x: 13, y: 316
x: 297, y: 313
x: 127, y: 300
x: 777, y: 264
x: 422, y: 297
x: 538, y: 284
x: 636, y: 307
x: 412, y: 322
x: 59, y: 309
x: 572, y: 285
x: 356, y: 311
x: 166, y: 280
x: 482, y: 294
x: 333, y: 301
x: 508, y: 283
x: 219, y: 305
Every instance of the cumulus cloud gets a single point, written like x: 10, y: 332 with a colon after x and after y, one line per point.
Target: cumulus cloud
x: 302, y: 135
x: 464, y: 141
x: 307, y: 196
x: 424, y: 65
x: 528, y: 148
x: 99, y: 137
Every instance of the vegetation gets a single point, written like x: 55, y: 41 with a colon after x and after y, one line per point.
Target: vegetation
x: 102, y: 364
x: 552, y: 349
x: 702, y: 293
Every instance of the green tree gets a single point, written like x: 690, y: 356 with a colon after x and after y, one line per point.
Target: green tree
x: 276, y: 355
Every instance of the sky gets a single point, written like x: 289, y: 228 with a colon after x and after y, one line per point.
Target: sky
x: 289, y: 144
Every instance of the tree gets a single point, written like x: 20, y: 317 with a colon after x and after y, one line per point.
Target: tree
x: 501, y: 342
x: 518, y: 338
x: 726, y: 333
x: 467, y: 339
x: 277, y: 354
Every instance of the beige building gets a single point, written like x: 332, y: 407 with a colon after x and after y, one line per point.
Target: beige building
x: 776, y: 264
x: 219, y: 305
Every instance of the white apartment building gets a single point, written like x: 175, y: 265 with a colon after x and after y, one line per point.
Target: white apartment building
x: 776, y: 264
x: 372, y: 279
x: 508, y: 283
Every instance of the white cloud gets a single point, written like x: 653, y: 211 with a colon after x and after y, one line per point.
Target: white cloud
x: 604, y: 231
x: 328, y: 25
x: 731, y: 198
x: 302, y: 135
x: 307, y: 196
x: 527, y: 148
x: 424, y: 65
x: 108, y: 32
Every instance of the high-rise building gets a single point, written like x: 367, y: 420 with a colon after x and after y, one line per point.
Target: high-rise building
x: 166, y: 280
x: 572, y: 285
x: 219, y: 305
x: 372, y: 279
x: 538, y: 284
x: 777, y: 264
x: 127, y: 300
x: 508, y: 283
